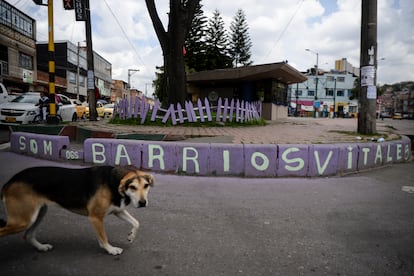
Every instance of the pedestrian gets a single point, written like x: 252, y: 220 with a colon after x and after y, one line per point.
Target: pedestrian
x: 57, y: 102
x: 43, y: 105
x: 97, y: 94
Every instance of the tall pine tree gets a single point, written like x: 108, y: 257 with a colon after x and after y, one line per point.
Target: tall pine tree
x: 216, y: 43
x: 240, y: 43
x: 195, y: 50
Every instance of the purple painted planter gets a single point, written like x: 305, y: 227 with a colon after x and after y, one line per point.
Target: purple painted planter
x: 218, y: 159
x: 39, y: 145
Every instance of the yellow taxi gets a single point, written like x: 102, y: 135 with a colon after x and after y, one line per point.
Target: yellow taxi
x: 80, y: 108
x: 99, y: 109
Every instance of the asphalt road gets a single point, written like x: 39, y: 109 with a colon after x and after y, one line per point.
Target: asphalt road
x: 361, y: 224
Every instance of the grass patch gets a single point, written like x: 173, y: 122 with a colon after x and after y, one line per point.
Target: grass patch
x: 168, y: 123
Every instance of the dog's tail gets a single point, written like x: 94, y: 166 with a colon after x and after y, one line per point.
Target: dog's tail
x: 2, y: 223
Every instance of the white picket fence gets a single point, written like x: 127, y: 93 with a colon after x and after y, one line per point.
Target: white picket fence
x: 225, y: 111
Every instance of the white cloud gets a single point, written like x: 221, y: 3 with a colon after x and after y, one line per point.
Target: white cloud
x: 279, y: 29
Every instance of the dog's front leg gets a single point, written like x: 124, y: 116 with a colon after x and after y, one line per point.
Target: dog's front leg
x: 97, y: 223
x: 125, y: 216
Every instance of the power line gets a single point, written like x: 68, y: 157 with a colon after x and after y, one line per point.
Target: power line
x: 125, y: 35
x: 286, y: 27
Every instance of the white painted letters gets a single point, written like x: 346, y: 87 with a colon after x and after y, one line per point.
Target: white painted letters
x: 186, y: 158
x: 98, y: 153
x: 322, y: 169
x: 300, y: 162
x: 121, y: 152
x: 265, y: 161
x: 152, y: 156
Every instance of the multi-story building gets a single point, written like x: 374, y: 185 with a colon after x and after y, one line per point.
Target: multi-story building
x: 17, y: 49
x: 119, y: 90
x: 397, y: 101
x: 324, y: 94
x: 71, y: 67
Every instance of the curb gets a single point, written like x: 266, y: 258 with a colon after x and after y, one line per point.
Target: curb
x: 218, y: 159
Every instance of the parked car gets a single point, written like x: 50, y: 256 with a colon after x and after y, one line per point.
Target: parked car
x: 108, y: 110
x: 397, y: 116
x: 385, y: 115
x: 24, y: 109
x: 4, y: 95
x: 99, y: 109
x: 80, y: 108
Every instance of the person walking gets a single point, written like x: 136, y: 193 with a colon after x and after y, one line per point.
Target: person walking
x: 43, y: 105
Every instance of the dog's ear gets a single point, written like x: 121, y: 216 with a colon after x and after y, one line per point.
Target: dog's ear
x: 121, y: 176
x: 149, y: 178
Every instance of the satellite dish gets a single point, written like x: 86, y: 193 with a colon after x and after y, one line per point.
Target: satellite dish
x: 213, y: 96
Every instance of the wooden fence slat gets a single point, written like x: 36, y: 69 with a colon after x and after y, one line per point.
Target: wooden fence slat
x: 173, y: 116
x: 180, y: 113
x: 188, y: 111
x: 137, y: 107
x: 145, y: 112
x: 193, y: 114
x: 200, y: 110
x: 240, y: 111
x: 208, y: 110
x: 155, y: 110
x: 231, y: 110
x: 218, y: 112
x: 142, y: 106
x: 167, y: 114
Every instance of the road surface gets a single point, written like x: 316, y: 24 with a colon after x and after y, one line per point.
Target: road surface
x: 361, y: 224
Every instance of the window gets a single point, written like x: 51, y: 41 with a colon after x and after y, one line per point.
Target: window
x: 311, y: 93
x: 340, y: 79
x: 340, y: 93
x: 81, y: 81
x: 298, y: 93
x: 72, y: 77
x: 16, y: 20
x: 25, y: 61
x: 330, y: 78
x: 329, y: 92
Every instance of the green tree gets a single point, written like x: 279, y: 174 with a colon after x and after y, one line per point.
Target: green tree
x: 159, y: 83
x: 240, y: 43
x: 180, y: 16
x: 195, y: 56
x: 216, y: 44
x: 355, y: 90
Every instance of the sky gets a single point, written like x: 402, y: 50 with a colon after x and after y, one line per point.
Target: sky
x: 280, y: 30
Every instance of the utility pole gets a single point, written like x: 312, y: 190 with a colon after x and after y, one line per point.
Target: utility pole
x: 315, y: 101
x: 368, y: 65
x: 334, y: 113
x: 77, y: 72
x: 93, y: 115
x: 51, y: 117
x: 130, y: 72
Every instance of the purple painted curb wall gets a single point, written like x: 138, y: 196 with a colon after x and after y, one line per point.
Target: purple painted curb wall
x: 219, y: 159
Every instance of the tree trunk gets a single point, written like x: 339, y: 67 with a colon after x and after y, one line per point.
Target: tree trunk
x: 172, y: 43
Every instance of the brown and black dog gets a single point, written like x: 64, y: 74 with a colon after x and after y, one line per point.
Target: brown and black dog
x: 94, y: 192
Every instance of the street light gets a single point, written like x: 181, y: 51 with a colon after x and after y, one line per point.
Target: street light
x: 316, y: 74
x: 130, y: 72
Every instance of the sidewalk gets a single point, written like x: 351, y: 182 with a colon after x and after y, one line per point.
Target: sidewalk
x: 291, y: 130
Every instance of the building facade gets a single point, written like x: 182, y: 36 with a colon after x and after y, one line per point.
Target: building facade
x: 119, y: 90
x: 397, y: 101
x: 17, y: 49
x: 71, y: 68
x: 322, y: 95
x: 267, y: 83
